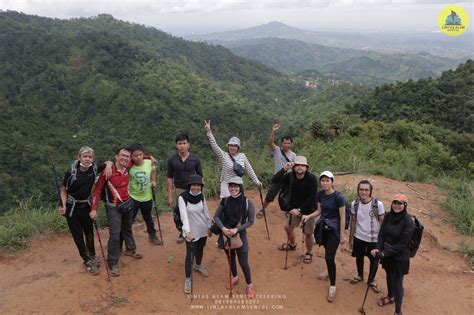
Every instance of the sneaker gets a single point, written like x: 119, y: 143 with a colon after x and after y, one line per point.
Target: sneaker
x: 115, y: 271
x: 203, y: 271
x: 180, y: 239
x: 133, y: 253
x: 250, y: 292
x: 323, y: 276
x: 235, y: 280
x: 332, y: 293
x: 95, y: 261
x: 187, y: 285
x: 92, y: 267
x: 154, y: 240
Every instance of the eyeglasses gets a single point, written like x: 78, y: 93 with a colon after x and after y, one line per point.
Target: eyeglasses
x: 396, y: 202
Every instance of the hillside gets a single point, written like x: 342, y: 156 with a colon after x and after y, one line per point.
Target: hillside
x: 358, y: 66
x: 54, y: 281
x: 446, y: 101
x: 104, y: 82
x: 385, y: 42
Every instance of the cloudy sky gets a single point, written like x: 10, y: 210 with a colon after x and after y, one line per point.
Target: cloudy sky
x: 183, y: 17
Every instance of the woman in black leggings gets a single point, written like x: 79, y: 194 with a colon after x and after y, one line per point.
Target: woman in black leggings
x: 332, y: 208
x: 196, y: 227
x: 393, y: 251
x: 234, y: 215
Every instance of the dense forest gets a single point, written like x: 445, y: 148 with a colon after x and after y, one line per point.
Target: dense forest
x: 104, y: 82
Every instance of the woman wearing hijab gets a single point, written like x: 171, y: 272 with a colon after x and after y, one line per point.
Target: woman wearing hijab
x: 393, y: 251
x: 235, y: 215
x: 196, y: 223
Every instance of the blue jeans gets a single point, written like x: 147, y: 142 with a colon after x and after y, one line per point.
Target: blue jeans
x: 120, y: 224
x: 145, y: 207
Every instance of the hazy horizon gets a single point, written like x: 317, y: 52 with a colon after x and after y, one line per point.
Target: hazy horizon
x: 186, y: 17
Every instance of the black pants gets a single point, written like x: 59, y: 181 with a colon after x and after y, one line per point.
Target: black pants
x: 360, y: 249
x: 331, y: 243
x: 198, y: 250
x: 395, y: 289
x: 80, y: 225
x: 145, y: 207
x: 243, y: 262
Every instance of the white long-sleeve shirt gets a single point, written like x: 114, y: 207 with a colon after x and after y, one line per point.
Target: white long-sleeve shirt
x: 195, y: 218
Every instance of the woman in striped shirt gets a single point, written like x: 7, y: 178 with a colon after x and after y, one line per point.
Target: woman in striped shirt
x: 227, y: 172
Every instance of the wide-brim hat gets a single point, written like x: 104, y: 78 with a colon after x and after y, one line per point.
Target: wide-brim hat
x: 400, y: 197
x: 234, y: 141
x: 195, y: 179
x: 300, y: 160
x: 236, y: 180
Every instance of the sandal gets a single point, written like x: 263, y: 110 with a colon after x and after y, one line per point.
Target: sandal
x: 356, y: 279
x: 133, y: 254
x: 259, y: 214
x: 286, y: 246
x: 385, y: 300
x: 373, y: 285
x: 308, y: 258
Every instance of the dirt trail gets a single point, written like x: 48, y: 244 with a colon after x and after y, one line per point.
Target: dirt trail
x: 48, y: 278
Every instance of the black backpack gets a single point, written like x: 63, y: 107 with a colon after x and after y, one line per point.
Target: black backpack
x: 177, y: 216
x: 284, y: 197
x: 415, y: 240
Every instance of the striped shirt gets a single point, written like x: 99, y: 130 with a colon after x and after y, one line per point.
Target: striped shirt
x: 227, y: 171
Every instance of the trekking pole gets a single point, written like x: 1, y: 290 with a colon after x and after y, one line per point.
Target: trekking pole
x: 230, y: 266
x: 369, y: 279
x: 157, y: 215
x: 57, y: 185
x: 264, y: 213
x: 101, y: 248
x: 193, y: 248
x: 302, y: 248
x: 287, y: 243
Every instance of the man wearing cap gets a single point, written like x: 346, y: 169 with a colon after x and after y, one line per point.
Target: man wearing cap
x: 76, y: 204
x: 181, y: 165
x: 282, y: 154
x: 228, y: 159
x: 303, y: 188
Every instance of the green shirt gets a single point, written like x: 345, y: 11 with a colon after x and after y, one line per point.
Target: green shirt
x: 139, y: 185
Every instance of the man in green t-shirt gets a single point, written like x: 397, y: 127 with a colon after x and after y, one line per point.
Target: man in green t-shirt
x: 142, y: 178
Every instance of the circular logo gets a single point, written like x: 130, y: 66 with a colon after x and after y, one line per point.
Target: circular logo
x: 453, y: 20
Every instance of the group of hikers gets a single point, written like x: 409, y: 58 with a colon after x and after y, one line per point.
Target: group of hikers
x: 127, y: 186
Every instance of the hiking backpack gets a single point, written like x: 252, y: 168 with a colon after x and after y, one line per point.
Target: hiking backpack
x: 177, y: 216
x: 284, y: 196
x: 73, y: 176
x: 415, y: 240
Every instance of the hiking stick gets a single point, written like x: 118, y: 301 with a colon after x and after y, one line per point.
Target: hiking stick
x: 302, y: 249
x: 369, y: 279
x: 57, y: 185
x: 157, y: 215
x: 193, y: 248
x: 264, y: 213
x: 287, y: 243
x: 101, y: 249
x: 230, y: 266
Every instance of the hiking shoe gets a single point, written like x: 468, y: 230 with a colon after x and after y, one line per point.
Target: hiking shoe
x: 180, y: 239
x: 114, y: 271
x: 95, y: 261
x: 323, y: 275
x: 203, y: 271
x: 92, y: 267
x: 250, y: 292
x: 332, y: 293
x: 154, y: 240
x: 133, y: 254
x: 235, y: 280
x: 187, y: 285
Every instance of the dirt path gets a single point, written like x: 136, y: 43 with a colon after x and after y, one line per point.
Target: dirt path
x: 49, y: 278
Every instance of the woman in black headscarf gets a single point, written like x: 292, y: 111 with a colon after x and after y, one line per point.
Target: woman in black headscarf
x: 233, y: 216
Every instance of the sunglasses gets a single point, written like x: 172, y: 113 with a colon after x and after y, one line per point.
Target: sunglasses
x: 396, y: 202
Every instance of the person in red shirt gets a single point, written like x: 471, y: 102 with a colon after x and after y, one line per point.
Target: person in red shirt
x: 119, y: 216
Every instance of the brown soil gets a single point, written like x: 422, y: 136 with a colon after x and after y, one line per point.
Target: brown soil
x: 50, y: 278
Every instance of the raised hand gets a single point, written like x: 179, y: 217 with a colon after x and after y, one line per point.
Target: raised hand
x: 275, y: 127
x: 207, y: 125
